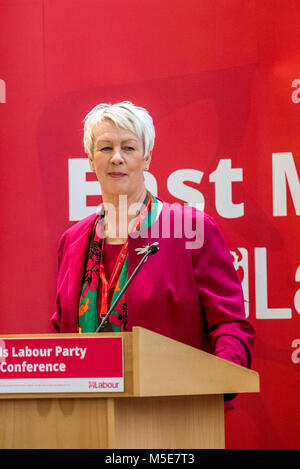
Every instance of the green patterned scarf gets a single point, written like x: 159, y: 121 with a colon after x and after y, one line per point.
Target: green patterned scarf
x: 88, y: 315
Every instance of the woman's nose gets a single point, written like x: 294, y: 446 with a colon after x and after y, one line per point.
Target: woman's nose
x: 117, y: 157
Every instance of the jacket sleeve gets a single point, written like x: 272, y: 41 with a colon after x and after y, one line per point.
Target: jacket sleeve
x: 221, y: 297
x: 55, y: 321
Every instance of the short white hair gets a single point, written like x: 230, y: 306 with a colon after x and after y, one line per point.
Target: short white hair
x: 125, y: 115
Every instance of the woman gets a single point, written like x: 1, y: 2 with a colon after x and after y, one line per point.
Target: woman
x: 190, y: 294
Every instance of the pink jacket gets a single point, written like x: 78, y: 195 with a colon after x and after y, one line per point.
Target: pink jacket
x: 191, y: 295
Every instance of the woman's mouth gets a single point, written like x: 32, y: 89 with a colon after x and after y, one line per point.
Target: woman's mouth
x: 117, y: 175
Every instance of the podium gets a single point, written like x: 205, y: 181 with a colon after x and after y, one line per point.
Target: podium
x: 173, y: 398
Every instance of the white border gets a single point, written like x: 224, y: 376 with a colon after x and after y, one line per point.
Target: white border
x: 61, y: 385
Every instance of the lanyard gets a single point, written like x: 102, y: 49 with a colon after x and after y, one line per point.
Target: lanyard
x: 107, y: 285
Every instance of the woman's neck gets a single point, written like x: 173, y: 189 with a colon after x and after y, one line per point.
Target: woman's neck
x: 120, y: 211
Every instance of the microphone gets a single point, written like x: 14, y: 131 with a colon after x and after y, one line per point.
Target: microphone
x: 150, y: 250
x: 153, y: 249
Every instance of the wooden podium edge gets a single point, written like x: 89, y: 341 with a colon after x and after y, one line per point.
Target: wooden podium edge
x: 178, y: 369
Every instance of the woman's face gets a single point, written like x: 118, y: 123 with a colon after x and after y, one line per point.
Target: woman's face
x: 118, y: 161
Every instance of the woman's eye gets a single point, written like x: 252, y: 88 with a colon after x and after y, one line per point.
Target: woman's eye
x: 128, y: 148
x: 105, y: 149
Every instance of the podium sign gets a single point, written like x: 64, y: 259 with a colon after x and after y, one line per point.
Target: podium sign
x: 61, y: 365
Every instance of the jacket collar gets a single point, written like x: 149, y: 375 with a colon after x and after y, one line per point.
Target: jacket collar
x: 77, y: 260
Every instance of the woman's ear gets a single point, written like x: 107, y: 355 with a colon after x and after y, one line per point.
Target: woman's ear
x: 92, y: 166
x: 147, y: 161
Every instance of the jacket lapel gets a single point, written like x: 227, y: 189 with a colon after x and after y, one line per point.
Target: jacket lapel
x: 78, y: 252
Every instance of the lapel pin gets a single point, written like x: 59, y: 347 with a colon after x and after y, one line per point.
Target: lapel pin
x: 144, y: 249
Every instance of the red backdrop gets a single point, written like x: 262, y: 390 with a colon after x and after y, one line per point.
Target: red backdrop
x: 221, y: 80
